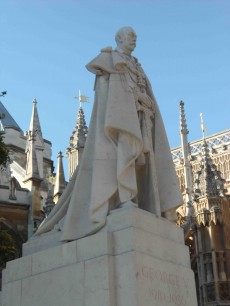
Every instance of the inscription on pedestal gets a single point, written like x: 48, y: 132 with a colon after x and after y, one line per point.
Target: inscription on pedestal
x: 164, y: 287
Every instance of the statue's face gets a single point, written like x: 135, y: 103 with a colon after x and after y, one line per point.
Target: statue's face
x: 127, y: 41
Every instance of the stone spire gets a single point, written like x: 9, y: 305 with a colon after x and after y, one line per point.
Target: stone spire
x: 77, y: 142
x: 208, y: 182
x: 35, y: 129
x: 32, y: 182
x: 187, y: 165
x: 34, y: 121
x: 34, y: 169
x: 32, y: 172
x: 60, y: 183
x: 79, y: 134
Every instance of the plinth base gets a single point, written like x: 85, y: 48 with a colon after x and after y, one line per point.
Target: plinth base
x: 137, y: 260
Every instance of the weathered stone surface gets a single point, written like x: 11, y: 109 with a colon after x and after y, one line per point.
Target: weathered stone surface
x: 47, y: 241
x: 99, y: 281
x: 11, y: 294
x: 61, y: 286
x: 18, y: 269
x: 145, y: 221
x: 130, y: 263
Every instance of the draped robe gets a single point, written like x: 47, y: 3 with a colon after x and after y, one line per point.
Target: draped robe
x: 115, y: 167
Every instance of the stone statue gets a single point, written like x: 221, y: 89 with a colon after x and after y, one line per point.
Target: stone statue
x: 127, y: 159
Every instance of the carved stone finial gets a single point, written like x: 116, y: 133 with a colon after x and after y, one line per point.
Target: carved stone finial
x: 186, y: 161
x: 183, y: 124
x: 60, y: 183
x: 60, y: 154
x: 203, y: 128
x: 78, y: 137
x: 208, y: 179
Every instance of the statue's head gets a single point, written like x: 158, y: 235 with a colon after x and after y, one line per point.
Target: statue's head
x: 126, y: 39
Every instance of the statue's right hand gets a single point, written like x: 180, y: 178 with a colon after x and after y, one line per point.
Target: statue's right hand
x: 120, y: 66
x: 146, y: 101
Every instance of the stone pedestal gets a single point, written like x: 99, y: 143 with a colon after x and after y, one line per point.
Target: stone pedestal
x: 137, y: 260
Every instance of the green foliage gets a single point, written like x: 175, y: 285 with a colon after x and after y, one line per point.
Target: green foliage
x: 7, y: 247
x: 4, y: 152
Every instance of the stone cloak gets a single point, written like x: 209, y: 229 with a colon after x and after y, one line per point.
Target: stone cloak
x: 84, y: 205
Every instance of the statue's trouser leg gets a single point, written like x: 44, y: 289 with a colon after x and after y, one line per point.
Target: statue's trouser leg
x: 126, y: 175
x: 147, y: 179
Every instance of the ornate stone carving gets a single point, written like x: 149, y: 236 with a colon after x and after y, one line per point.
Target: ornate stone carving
x: 203, y: 217
x: 216, y: 215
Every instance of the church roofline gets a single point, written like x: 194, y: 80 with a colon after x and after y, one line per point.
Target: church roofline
x: 47, y: 141
x: 8, y: 121
x: 207, y: 138
x: 216, y: 140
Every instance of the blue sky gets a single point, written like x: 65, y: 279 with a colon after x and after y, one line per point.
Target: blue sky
x: 183, y: 46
